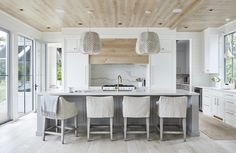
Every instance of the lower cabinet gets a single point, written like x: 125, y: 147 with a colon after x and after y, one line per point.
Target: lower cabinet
x: 230, y: 109
x: 206, y: 105
x: 220, y: 104
x: 217, y: 106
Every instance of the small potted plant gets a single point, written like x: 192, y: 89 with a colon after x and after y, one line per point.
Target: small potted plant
x: 216, y: 80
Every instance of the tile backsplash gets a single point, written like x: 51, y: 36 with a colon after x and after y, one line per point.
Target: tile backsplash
x: 101, y: 74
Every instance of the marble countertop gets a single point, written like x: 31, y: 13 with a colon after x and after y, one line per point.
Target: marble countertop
x: 146, y: 92
x: 226, y: 90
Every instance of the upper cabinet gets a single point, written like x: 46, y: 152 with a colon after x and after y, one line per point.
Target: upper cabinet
x: 76, y: 66
x: 166, y: 45
x: 211, y: 51
x: 118, y: 51
x: 162, y: 67
x: 71, y: 45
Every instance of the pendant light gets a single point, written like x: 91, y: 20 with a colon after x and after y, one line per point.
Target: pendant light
x: 148, y: 42
x: 90, y: 42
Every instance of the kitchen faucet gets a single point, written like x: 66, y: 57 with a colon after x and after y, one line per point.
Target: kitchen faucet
x: 119, y: 81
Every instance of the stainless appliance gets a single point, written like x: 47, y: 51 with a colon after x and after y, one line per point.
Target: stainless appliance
x: 119, y: 87
x: 199, y: 90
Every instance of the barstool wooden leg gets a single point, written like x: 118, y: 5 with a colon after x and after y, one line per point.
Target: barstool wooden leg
x: 184, y: 128
x: 147, y: 128
x: 111, y: 128
x: 76, y: 125
x: 88, y: 128
x: 125, y: 127
x: 62, y: 131
x: 161, y: 129
x: 44, y: 127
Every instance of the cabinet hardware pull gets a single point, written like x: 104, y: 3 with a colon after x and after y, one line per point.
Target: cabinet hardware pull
x: 229, y: 113
x: 230, y: 102
x: 230, y: 95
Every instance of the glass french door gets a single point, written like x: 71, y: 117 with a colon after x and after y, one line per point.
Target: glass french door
x: 4, y: 76
x: 25, y: 75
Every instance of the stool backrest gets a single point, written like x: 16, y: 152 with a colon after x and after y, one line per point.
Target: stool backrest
x: 172, y: 107
x: 136, y: 107
x: 66, y: 109
x: 98, y: 107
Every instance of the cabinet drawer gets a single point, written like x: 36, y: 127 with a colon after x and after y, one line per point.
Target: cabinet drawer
x: 230, y: 118
x: 206, y: 109
x: 230, y: 106
x: 207, y: 100
x: 230, y: 96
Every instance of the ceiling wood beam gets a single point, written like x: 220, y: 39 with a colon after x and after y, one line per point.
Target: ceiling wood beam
x: 187, y: 12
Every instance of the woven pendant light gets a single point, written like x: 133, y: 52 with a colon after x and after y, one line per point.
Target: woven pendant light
x: 90, y: 43
x: 148, y: 43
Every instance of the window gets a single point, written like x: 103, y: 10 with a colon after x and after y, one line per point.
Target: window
x: 4, y: 76
x: 230, y: 63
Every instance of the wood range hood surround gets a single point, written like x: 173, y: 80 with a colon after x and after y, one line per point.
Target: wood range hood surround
x: 118, y: 51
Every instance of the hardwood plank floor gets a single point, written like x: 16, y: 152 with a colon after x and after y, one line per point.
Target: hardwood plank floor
x: 19, y: 137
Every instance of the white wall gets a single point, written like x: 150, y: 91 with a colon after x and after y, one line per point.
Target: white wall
x: 16, y: 27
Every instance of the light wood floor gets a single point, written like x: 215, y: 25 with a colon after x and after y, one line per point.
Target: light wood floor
x: 19, y: 137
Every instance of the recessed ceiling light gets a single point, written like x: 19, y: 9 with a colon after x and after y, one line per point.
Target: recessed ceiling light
x: 148, y: 12
x: 80, y: 23
x: 160, y: 23
x: 21, y: 9
x: 227, y: 19
x: 210, y: 10
x: 60, y: 11
x: 90, y: 11
x: 177, y: 10
x: 48, y: 27
x: 185, y: 27
x: 120, y: 23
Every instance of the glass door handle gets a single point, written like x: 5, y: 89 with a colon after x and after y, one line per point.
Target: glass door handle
x: 36, y: 86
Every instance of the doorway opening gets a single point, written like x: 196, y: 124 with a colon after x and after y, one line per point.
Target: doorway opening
x: 183, y: 65
x: 54, y: 66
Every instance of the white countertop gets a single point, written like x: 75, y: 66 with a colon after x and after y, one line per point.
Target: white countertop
x: 218, y: 89
x: 125, y: 93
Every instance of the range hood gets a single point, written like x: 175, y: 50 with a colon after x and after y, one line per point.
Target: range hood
x: 118, y: 51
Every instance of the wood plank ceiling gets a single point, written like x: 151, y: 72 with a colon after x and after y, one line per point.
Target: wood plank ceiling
x: 52, y: 15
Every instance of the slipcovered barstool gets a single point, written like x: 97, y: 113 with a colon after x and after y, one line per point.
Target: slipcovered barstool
x: 64, y: 110
x: 172, y: 107
x: 136, y: 107
x: 100, y: 107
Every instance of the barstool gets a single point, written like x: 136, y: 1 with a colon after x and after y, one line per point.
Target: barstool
x: 172, y: 107
x: 136, y: 107
x: 65, y: 110
x: 100, y: 107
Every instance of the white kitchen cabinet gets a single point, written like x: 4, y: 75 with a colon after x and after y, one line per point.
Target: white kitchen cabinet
x: 213, y: 104
x: 211, y: 51
x: 162, y: 71
x: 71, y: 45
x: 76, y: 66
x: 230, y: 109
x: 166, y: 45
x: 217, y: 105
x: 207, y: 102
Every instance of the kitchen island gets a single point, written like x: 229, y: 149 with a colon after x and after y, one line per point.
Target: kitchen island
x: 80, y: 98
